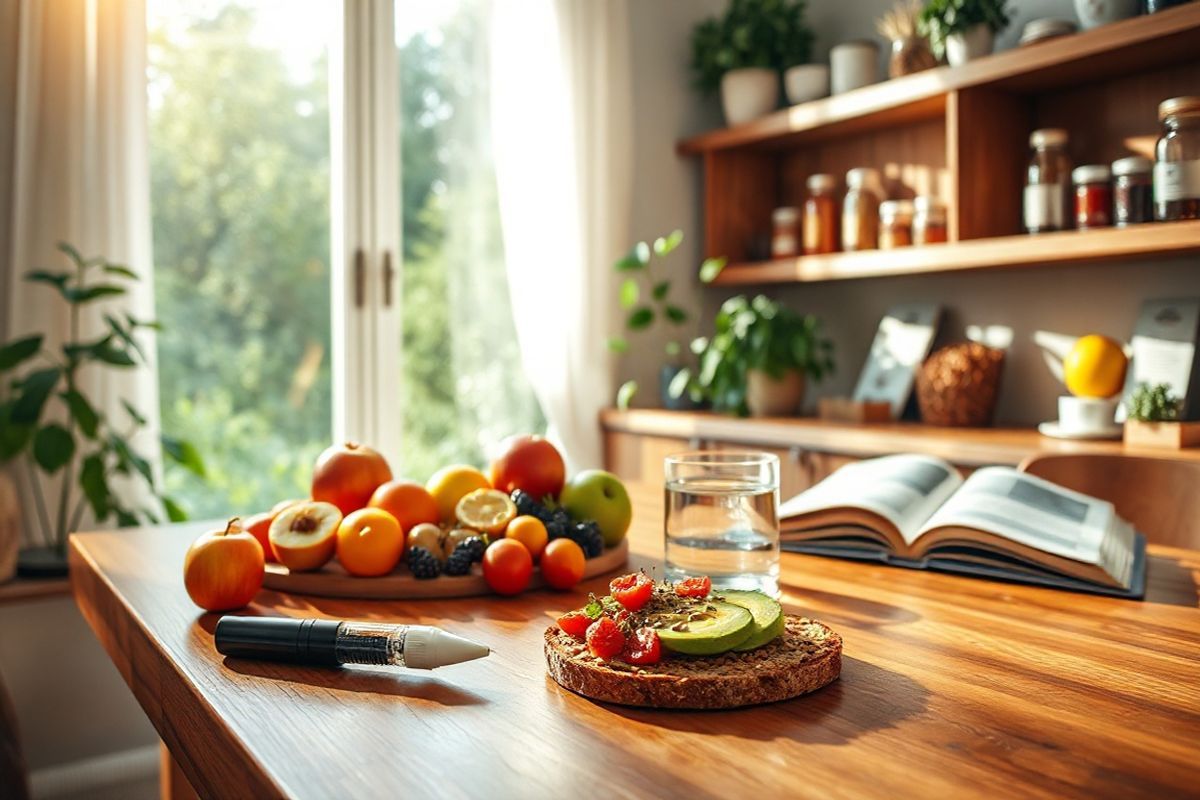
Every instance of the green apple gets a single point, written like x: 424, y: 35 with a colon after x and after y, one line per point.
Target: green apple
x: 599, y: 496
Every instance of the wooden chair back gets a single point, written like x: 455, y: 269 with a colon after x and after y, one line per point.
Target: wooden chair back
x: 1160, y: 496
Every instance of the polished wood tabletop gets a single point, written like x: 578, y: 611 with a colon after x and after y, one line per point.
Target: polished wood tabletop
x: 951, y: 687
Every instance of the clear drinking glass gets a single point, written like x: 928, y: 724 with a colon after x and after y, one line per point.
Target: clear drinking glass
x: 722, y: 519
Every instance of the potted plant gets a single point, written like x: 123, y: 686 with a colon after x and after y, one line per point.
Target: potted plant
x: 743, y: 52
x: 1153, y: 419
x: 758, y: 359
x: 49, y: 426
x: 644, y: 295
x: 962, y: 30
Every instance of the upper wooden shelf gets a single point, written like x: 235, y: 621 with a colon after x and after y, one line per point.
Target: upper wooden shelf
x: 1138, y: 43
x: 963, y: 446
x: 1156, y: 239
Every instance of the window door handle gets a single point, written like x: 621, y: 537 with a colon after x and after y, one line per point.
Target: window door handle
x: 388, y: 278
x: 360, y: 278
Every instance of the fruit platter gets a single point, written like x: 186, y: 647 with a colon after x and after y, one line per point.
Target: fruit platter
x: 686, y: 645
x: 364, y: 533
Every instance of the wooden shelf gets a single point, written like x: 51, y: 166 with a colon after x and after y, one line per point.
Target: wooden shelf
x: 22, y: 589
x: 1159, y: 239
x: 1139, y: 43
x: 963, y: 446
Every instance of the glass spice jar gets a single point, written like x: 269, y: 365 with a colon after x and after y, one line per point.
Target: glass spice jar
x: 1177, y: 160
x: 1133, y: 195
x: 785, y: 232
x: 1093, y: 196
x: 895, y: 224
x: 820, y: 228
x: 1047, y: 200
x: 929, y: 221
x: 860, y: 209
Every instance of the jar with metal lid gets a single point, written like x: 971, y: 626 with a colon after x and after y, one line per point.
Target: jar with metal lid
x: 860, y: 209
x: 820, y: 229
x: 895, y: 224
x: 1133, y: 195
x: 1093, y: 196
x: 1047, y: 201
x: 929, y: 221
x: 1155, y: 6
x: 785, y: 232
x: 1177, y: 160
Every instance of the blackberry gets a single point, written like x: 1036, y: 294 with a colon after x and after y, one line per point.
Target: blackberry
x: 459, y: 562
x: 526, y: 504
x: 587, y: 536
x: 473, y: 546
x: 423, y: 564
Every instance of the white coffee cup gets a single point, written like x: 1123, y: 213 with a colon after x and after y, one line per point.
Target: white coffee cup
x: 1086, y: 414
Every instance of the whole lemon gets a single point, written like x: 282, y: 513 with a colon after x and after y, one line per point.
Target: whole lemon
x: 1095, y: 367
x: 450, y: 484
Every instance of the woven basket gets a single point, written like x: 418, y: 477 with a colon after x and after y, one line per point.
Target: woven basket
x: 959, y: 385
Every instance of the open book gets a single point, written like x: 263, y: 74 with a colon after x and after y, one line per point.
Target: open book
x: 917, y: 511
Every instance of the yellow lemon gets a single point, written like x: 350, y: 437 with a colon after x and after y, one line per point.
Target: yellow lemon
x: 450, y: 484
x: 1095, y: 367
x: 487, y: 510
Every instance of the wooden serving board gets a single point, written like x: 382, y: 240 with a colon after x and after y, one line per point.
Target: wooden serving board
x: 333, y: 581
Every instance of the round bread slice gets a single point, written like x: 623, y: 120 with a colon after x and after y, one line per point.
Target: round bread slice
x: 806, y: 657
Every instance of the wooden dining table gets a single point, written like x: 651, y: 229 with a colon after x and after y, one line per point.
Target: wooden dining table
x: 950, y: 687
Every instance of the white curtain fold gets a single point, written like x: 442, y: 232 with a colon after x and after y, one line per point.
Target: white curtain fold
x: 562, y: 129
x: 80, y: 174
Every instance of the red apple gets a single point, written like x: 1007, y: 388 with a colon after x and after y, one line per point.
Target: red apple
x: 223, y: 569
x: 531, y: 464
x: 347, y: 475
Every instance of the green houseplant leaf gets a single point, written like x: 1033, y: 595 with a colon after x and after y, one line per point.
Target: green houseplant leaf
x: 18, y: 351
x: 184, y: 454
x: 629, y: 293
x: 640, y: 318
x: 82, y: 412
x: 751, y: 33
x: 35, y: 388
x: 53, y: 447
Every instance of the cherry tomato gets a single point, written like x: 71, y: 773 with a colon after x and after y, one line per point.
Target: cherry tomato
x: 694, y: 587
x: 507, y: 566
x: 574, y: 623
x: 632, y: 591
x: 642, y: 648
x: 604, y: 638
x: 562, y: 563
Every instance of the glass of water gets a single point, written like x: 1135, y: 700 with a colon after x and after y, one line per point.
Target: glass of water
x: 722, y: 519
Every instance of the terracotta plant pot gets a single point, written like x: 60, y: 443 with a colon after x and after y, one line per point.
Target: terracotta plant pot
x: 749, y: 93
x: 774, y: 397
x: 972, y: 44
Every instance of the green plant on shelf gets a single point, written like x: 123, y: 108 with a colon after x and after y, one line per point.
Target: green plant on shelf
x: 751, y: 33
x: 758, y: 334
x: 54, y: 441
x: 1153, y: 404
x: 941, y: 19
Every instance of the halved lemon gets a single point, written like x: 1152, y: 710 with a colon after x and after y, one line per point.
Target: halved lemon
x: 487, y: 510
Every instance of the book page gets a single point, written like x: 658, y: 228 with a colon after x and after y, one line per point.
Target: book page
x: 904, y: 489
x: 1034, y: 512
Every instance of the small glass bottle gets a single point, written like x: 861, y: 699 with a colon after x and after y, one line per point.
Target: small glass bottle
x: 895, y: 224
x: 785, y: 232
x: 929, y: 221
x: 860, y: 209
x: 1133, y: 193
x: 820, y: 229
x: 1048, y: 182
x: 1177, y: 160
x: 1093, y: 196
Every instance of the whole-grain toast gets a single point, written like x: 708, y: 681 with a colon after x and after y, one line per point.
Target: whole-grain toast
x: 806, y: 657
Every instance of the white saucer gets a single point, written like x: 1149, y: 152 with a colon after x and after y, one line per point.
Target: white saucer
x: 1053, y: 429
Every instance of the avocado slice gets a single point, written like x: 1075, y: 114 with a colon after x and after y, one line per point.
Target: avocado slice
x: 728, y: 627
x: 766, y: 612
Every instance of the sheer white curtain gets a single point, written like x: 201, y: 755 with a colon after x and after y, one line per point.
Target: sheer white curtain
x: 79, y: 173
x: 561, y: 119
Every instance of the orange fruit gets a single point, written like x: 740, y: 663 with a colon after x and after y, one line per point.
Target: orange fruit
x: 450, y: 484
x: 562, y: 564
x: 486, y: 510
x: 530, y: 532
x: 407, y: 501
x: 507, y: 567
x: 369, y: 542
x: 1095, y: 367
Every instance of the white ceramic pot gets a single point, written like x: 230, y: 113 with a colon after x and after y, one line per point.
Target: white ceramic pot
x: 852, y: 65
x: 749, y: 93
x: 962, y: 47
x: 1093, y: 13
x: 771, y: 397
x: 805, y: 82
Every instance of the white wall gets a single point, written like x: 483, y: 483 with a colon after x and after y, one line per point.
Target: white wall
x: 1101, y: 298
